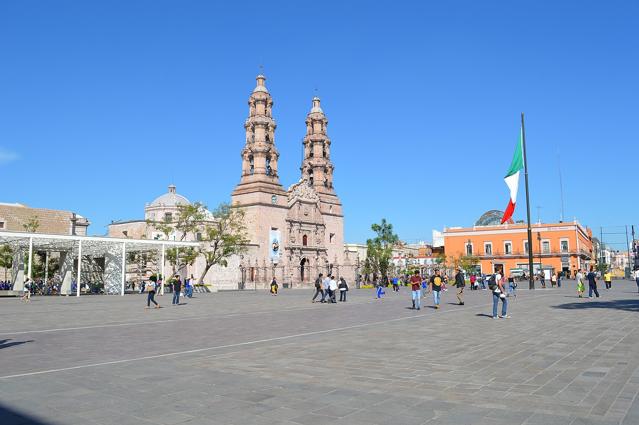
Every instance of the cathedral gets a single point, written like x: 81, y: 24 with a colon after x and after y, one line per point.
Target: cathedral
x: 294, y: 234
x: 298, y: 233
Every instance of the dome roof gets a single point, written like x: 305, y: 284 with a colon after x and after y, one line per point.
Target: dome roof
x: 491, y: 218
x: 170, y: 199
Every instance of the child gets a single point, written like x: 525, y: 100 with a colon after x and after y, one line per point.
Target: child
x: 274, y: 287
x: 380, y: 291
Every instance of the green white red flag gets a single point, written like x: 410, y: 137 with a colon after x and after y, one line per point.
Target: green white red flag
x: 512, y: 178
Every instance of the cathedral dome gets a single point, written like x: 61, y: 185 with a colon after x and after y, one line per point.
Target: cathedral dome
x: 491, y: 218
x: 170, y: 199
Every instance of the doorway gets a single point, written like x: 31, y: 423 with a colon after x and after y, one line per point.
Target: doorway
x: 303, y: 265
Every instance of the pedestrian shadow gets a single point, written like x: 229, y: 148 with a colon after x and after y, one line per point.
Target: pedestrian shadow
x: 625, y: 305
x: 11, y: 417
x: 483, y: 315
x: 4, y: 343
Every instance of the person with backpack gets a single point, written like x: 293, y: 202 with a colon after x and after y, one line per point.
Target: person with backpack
x: 496, y: 286
x: 435, y: 286
x: 460, y: 283
x: 343, y: 288
x: 318, y: 288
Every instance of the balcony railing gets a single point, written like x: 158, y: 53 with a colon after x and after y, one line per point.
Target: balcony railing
x: 521, y: 253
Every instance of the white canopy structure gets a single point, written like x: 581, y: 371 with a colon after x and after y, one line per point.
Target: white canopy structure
x: 72, y: 248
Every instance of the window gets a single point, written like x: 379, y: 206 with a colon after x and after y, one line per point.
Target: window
x: 331, y: 237
x: 469, y: 249
x: 1, y: 224
x: 251, y: 164
x: 198, y: 236
x: 488, y: 248
x: 508, y: 247
x: 545, y: 247
x: 304, y: 240
x: 168, y: 217
x: 269, y: 170
x: 563, y: 245
x: 525, y: 247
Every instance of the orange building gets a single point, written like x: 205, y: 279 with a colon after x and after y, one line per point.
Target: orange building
x: 556, y: 247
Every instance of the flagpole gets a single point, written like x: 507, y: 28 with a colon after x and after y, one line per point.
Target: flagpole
x: 531, y: 277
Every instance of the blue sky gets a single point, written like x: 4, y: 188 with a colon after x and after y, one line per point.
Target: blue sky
x: 103, y: 104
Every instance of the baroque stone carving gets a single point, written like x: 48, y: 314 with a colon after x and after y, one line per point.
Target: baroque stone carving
x: 302, y: 190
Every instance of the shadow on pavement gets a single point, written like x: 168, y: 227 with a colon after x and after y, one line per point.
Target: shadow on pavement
x: 4, y: 343
x: 626, y: 305
x: 11, y: 417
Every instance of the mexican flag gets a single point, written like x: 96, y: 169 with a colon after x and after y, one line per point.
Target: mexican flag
x: 512, y: 178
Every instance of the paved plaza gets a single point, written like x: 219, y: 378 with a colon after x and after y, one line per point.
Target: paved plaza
x: 249, y: 358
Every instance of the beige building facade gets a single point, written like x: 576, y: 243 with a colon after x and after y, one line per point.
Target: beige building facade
x: 294, y: 234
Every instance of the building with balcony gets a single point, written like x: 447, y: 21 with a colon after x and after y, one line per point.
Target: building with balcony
x: 556, y: 247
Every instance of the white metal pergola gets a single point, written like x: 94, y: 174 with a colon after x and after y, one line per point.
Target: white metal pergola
x: 95, y: 246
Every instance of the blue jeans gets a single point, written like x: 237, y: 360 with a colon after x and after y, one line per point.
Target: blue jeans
x: 483, y: 284
x: 417, y: 298
x: 437, y: 297
x: 176, y: 297
x: 592, y: 288
x: 504, y: 305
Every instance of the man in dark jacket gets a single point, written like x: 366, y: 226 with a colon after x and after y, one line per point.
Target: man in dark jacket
x: 460, y: 283
x: 177, y: 287
x: 318, y: 288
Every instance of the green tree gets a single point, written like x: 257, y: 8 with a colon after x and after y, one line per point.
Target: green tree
x: 32, y: 225
x: 6, y: 259
x: 380, y: 248
x: 189, y: 220
x: 467, y: 263
x: 223, y: 237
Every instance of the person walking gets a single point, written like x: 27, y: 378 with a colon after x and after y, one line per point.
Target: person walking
x: 559, y: 276
x: 460, y: 283
x: 592, y: 282
x: 553, y: 280
x: 26, y: 291
x: 637, y: 279
x: 332, y: 289
x: 416, y: 292
x: 343, y: 288
x: 542, y: 279
x: 608, y: 279
x: 379, y: 292
x: 150, y: 298
x: 579, y: 276
x: 482, y: 281
x: 512, y: 286
x: 499, y: 294
x: 473, y: 282
x: 326, y: 284
x: 395, y: 282
x: 177, y: 287
x: 435, y: 286
x: 274, y: 287
x: 318, y: 288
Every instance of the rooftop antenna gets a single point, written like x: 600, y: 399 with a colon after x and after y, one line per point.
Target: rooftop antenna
x: 538, y: 214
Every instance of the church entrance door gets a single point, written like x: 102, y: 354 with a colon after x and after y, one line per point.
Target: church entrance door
x: 303, y: 265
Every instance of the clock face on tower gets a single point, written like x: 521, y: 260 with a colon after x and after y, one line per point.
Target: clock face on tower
x: 274, y: 199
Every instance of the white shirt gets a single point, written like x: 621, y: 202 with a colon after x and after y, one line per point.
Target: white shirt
x: 497, y: 277
x: 333, y: 285
x: 580, y: 277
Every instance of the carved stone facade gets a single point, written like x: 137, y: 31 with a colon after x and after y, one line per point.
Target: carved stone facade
x: 297, y: 233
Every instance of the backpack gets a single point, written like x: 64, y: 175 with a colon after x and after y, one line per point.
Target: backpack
x: 492, y: 282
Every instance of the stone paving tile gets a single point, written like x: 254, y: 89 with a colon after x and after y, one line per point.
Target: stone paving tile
x: 556, y: 361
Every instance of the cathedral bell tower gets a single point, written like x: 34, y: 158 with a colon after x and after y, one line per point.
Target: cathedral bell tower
x: 259, y: 156
x: 317, y: 168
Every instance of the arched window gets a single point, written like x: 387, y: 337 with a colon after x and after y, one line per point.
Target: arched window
x: 304, y: 240
x: 269, y: 170
x: 251, y: 165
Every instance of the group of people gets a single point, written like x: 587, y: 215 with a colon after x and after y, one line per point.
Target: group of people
x: 327, y: 288
x: 436, y: 284
x: 177, y: 287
